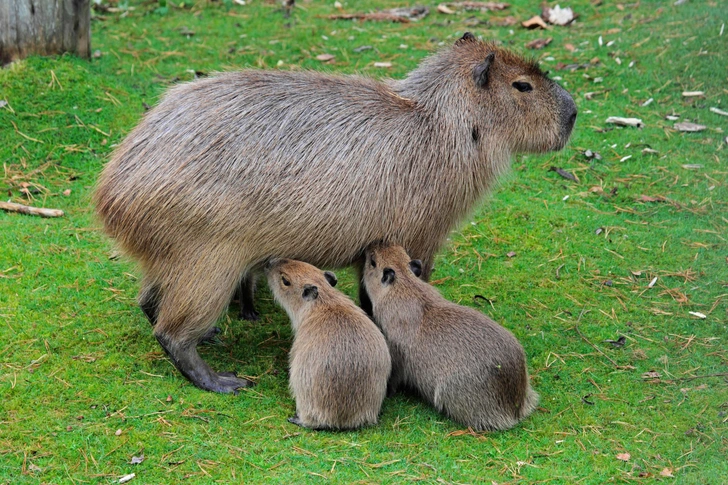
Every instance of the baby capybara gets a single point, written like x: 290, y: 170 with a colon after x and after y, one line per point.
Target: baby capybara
x: 339, y: 361
x: 462, y: 362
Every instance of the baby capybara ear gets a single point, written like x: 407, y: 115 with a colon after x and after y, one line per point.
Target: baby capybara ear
x: 331, y: 278
x: 416, y: 267
x: 310, y: 292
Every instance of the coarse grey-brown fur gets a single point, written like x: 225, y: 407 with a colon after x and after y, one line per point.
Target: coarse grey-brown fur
x: 462, y: 362
x: 229, y: 171
x: 339, y: 361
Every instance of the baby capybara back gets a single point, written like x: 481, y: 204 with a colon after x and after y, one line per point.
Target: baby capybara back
x: 229, y: 171
x: 462, y: 362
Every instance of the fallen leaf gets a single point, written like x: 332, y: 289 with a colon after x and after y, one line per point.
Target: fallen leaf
x: 535, y: 22
x: 672, y: 117
x: 636, y: 122
x: 401, y: 15
x: 652, y: 282
x: 34, y: 468
x: 510, y: 254
x: 382, y: 64
x: 569, y: 47
x: 623, y: 456
x: 666, y: 472
x: 539, y: 43
x: 648, y: 198
x: 135, y: 460
x: 126, y: 478
x: 651, y: 375
x: 67, y: 192
x: 714, y: 110
x: 689, y: 127
x: 187, y: 33
x: 565, y: 174
x: 325, y: 57
x: 505, y: 21
x: 118, y: 432
x: 650, y: 151
x: 699, y: 315
x: 619, y: 342
x: 591, y: 154
x: 692, y: 166
x: 692, y: 94
x: 558, y: 15
x: 442, y: 8
x: 363, y: 48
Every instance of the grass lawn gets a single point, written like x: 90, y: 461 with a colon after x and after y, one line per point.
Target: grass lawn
x: 634, y: 252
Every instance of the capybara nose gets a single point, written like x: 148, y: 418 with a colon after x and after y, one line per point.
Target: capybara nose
x: 572, y: 119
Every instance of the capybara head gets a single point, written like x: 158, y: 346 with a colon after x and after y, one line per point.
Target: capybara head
x: 513, y: 101
x: 387, y: 269
x: 297, y: 285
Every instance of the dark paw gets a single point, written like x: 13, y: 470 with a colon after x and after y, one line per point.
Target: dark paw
x: 296, y: 420
x: 210, y: 336
x: 248, y: 314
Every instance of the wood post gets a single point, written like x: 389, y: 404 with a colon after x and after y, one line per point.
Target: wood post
x: 44, y: 27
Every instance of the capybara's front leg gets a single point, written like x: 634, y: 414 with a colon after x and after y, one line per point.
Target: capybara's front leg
x: 246, y: 292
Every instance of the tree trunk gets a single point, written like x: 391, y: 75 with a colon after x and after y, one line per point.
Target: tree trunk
x: 44, y: 27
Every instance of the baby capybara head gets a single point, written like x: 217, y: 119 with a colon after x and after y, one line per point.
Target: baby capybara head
x: 516, y: 101
x: 388, y: 269
x: 297, y: 285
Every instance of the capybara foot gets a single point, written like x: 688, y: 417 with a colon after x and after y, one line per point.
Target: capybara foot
x: 210, y: 336
x: 248, y: 313
x: 297, y: 421
x: 228, y: 382
x: 186, y: 359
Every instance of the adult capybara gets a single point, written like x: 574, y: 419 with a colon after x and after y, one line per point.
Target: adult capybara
x: 229, y: 171
x: 339, y: 361
x: 462, y: 362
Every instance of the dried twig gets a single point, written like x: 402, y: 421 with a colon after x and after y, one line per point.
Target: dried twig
x: 576, y: 327
x: 33, y: 211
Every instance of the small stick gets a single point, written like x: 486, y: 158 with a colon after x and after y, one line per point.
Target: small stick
x: 576, y: 327
x: 720, y: 374
x: 33, y: 211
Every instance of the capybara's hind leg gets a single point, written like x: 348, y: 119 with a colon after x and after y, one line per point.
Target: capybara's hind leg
x: 190, y: 304
x: 149, y: 299
x: 246, y: 292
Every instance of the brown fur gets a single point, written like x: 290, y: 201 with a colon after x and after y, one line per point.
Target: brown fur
x: 339, y: 361
x: 462, y: 362
x: 231, y: 170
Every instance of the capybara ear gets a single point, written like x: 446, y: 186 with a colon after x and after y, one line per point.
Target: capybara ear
x: 467, y: 37
x: 310, y: 292
x: 331, y: 278
x: 416, y: 267
x: 480, y: 73
x: 388, y: 276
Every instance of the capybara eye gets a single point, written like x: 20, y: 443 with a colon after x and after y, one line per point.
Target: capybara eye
x: 373, y: 263
x: 522, y: 87
x: 285, y: 281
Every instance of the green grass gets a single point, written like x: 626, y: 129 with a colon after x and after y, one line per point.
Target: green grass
x: 78, y: 360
